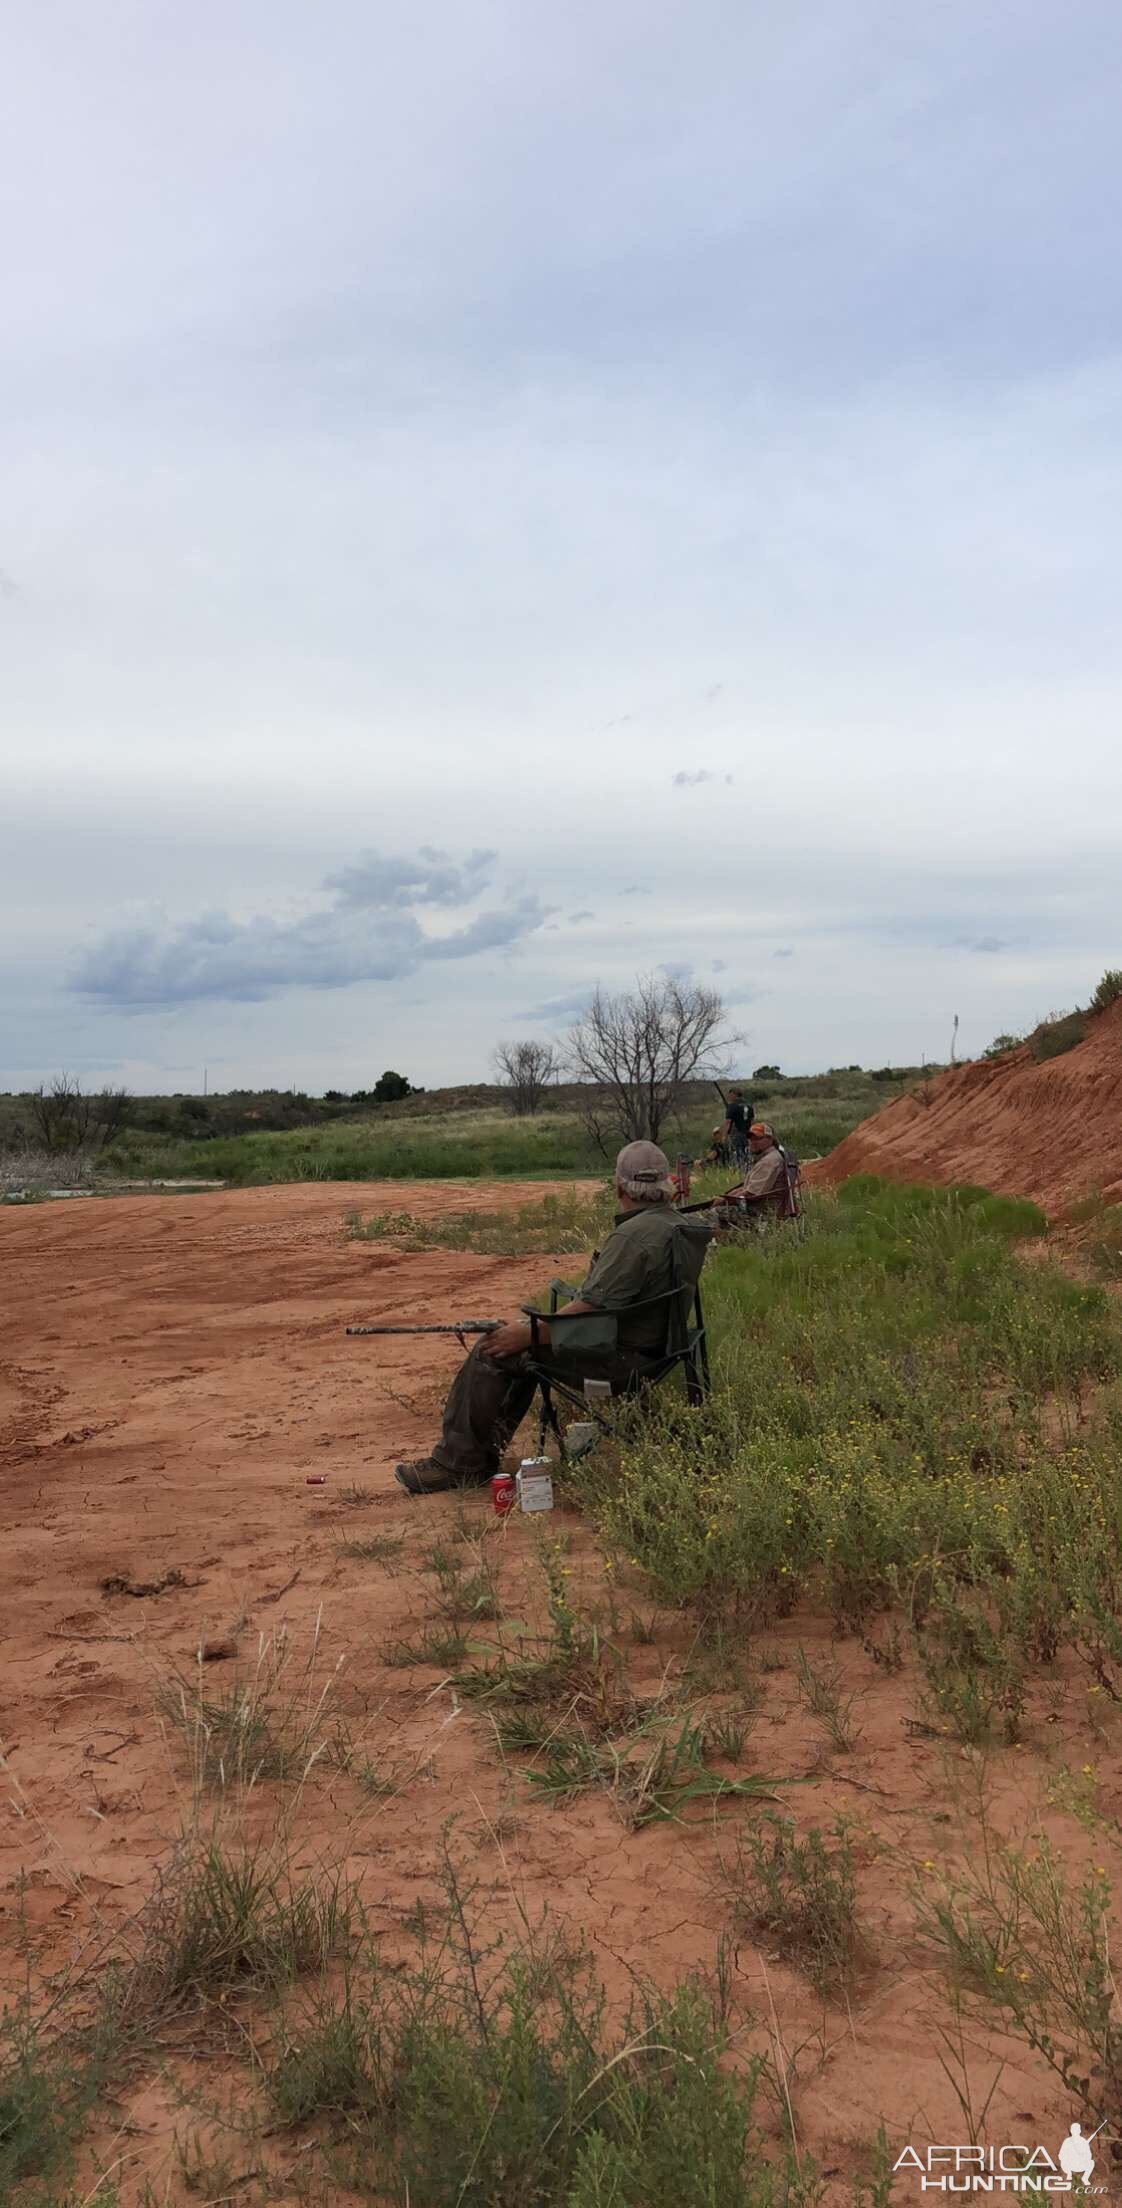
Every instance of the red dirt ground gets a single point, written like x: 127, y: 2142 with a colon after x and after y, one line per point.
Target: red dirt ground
x: 174, y: 1369
x: 1051, y: 1131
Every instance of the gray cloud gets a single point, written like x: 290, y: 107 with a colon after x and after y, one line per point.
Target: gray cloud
x: 366, y: 935
x: 575, y: 916
x: 684, y: 780
x: 783, y: 954
x: 636, y: 889
x: 429, y: 878
x: 558, y: 1009
x: 489, y: 930
x: 982, y: 943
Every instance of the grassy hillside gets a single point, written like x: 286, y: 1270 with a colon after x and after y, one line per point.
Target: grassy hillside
x: 452, y: 1133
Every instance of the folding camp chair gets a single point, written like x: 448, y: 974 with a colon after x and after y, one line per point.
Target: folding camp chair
x: 792, y: 1193
x: 590, y: 1338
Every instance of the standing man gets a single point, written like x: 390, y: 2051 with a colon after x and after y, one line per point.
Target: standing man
x: 735, y: 1129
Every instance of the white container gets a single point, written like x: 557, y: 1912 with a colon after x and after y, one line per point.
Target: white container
x: 534, y: 1483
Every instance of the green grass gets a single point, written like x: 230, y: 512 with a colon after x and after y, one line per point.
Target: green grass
x: 902, y: 1408
x: 276, y: 1722
x: 231, y: 1919
x: 51, y: 2082
x: 565, y: 1223
x: 491, y: 2076
x: 424, y: 1141
x: 223, y: 1922
x: 1030, y: 1938
x: 470, y: 1146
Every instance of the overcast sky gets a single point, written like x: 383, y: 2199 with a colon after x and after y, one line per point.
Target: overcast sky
x: 500, y: 496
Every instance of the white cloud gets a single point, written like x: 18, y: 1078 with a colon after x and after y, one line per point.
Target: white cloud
x: 401, y: 435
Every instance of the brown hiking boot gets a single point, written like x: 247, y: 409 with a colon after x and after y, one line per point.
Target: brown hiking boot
x: 424, y: 1477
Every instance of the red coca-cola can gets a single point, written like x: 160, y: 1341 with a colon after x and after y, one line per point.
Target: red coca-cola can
x: 502, y: 1493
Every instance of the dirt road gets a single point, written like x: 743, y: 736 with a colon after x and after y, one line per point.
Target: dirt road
x: 172, y: 1371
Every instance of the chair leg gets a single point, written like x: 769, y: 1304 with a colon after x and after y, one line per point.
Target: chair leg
x: 549, y: 1419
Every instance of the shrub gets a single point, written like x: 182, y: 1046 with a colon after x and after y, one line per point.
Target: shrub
x: 1109, y: 989
x: 390, y: 1087
x: 1060, y: 1032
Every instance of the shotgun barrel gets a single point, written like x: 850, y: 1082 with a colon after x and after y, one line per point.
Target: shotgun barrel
x: 463, y: 1326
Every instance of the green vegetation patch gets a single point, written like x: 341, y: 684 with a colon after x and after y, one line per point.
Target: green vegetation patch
x: 566, y: 1223
x: 484, y: 2076
x: 900, y: 1411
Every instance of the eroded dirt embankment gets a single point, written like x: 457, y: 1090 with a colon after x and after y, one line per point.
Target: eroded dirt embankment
x: 1050, y: 1130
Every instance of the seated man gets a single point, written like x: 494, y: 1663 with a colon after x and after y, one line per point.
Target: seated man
x: 649, y: 1247
x: 763, y: 1191
x: 718, y: 1151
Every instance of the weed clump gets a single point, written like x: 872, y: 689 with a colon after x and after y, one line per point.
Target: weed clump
x: 228, y: 1919
x: 483, y: 2076
x: 51, y: 2079
x: 277, y: 1723
x: 802, y: 1894
x: 1020, y: 1934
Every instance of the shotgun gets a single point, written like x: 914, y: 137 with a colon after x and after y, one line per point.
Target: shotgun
x: 460, y: 1327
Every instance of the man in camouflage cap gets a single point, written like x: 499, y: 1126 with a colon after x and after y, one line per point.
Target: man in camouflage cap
x: 651, y: 1245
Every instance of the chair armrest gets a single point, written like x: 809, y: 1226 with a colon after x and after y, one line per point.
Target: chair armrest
x: 574, y: 1333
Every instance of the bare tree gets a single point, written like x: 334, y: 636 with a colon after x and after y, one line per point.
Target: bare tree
x: 112, y: 1112
x: 68, y: 1119
x: 526, y: 1070
x: 634, y: 1053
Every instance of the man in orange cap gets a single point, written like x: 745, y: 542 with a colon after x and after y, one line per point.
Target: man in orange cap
x: 764, y: 1187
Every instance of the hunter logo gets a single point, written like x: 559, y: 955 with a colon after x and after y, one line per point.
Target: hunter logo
x: 1010, y: 2169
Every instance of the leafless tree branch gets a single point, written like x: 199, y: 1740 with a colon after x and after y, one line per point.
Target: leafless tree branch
x: 633, y: 1054
x: 526, y: 1070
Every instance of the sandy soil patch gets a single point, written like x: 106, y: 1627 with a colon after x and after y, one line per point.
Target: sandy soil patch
x: 173, y: 1373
